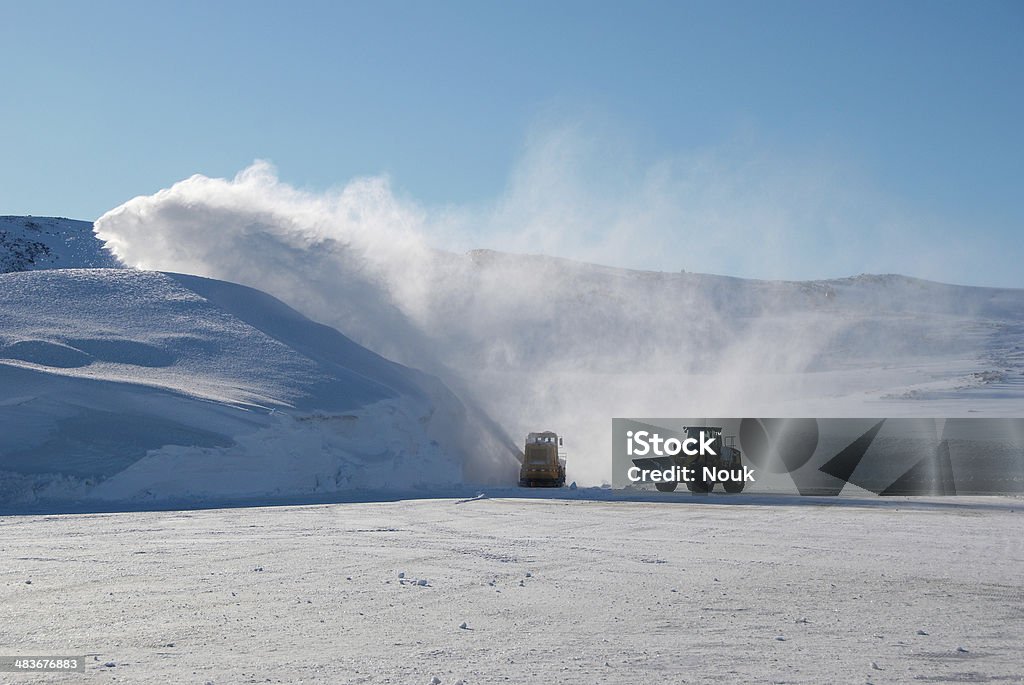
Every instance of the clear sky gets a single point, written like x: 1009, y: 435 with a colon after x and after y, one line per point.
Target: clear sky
x: 912, y: 112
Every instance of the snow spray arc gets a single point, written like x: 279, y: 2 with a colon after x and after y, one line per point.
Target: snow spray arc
x: 820, y: 456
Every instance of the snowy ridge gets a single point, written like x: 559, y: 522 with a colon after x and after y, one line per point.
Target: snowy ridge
x: 31, y: 242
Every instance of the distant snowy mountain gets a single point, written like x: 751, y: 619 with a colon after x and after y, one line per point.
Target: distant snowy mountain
x: 128, y: 385
x: 28, y: 243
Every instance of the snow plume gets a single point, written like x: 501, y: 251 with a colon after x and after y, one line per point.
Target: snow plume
x: 541, y: 343
x: 319, y: 250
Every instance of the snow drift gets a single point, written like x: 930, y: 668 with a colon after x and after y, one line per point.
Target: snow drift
x: 141, y: 386
x: 545, y: 343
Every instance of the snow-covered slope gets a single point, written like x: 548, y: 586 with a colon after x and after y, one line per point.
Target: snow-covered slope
x: 119, y: 384
x: 543, y: 343
x: 33, y: 242
x: 532, y: 342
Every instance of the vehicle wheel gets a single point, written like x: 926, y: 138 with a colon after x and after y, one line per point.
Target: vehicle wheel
x: 733, y: 487
x: 700, y: 486
x: 666, y: 487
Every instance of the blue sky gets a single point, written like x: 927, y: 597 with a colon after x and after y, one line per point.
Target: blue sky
x: 913, y: 111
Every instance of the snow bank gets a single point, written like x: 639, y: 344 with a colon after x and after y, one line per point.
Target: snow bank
x: 132, y: 385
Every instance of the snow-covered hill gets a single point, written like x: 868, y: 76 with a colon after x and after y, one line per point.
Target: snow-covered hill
x: 543, y: 343
x: 32, y: 242
x: 532, y: 342
x: 128, y: 385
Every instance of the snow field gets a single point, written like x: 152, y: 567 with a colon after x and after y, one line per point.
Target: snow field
x: 775, y: 590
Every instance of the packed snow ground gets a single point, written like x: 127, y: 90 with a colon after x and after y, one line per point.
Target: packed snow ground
x: 767, y: 589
